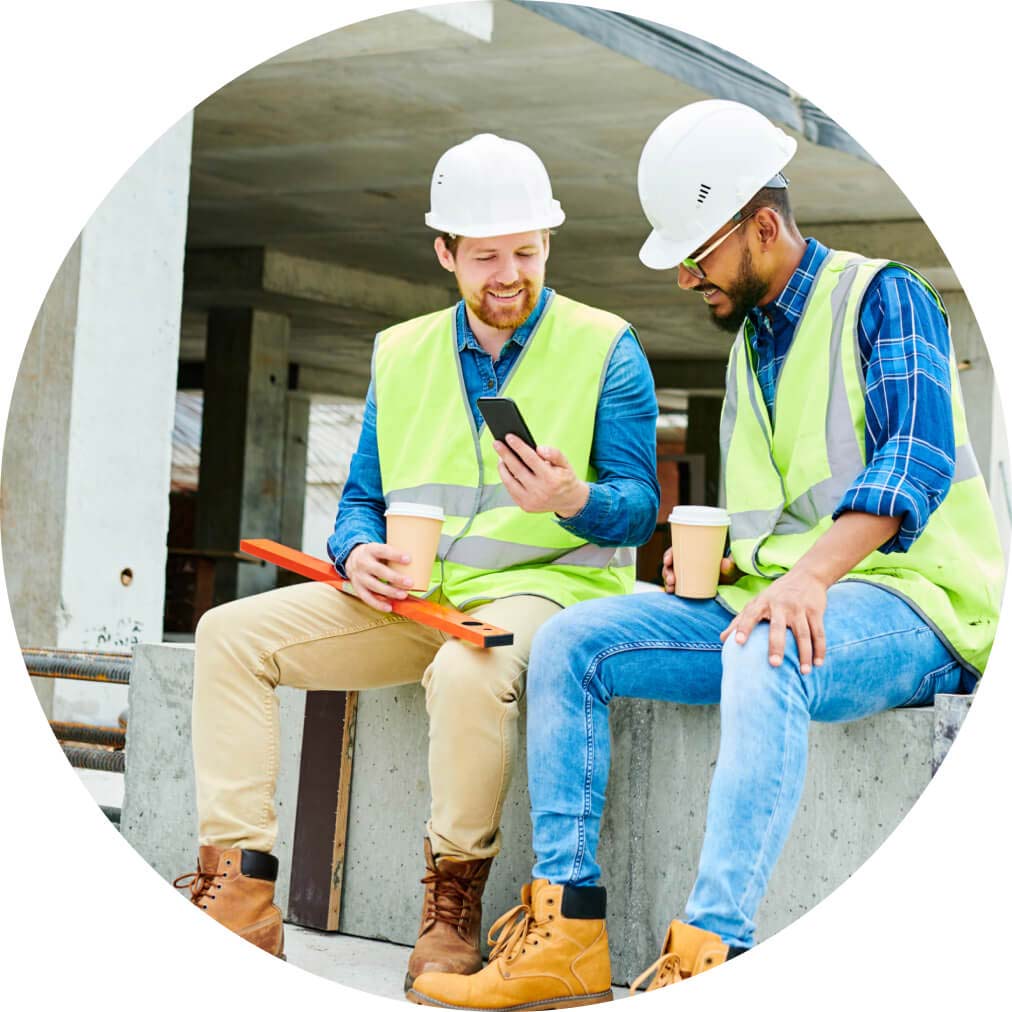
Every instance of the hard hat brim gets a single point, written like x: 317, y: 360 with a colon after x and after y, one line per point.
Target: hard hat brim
x: 660, y: 253
x: 484, y: 230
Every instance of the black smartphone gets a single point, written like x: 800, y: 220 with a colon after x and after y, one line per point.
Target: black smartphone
x: 503, y: 418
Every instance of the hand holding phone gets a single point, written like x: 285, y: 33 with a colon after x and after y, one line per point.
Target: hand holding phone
x: 503, y: 418
x: 538, y: 481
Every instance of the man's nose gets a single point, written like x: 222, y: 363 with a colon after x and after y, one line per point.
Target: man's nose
x: 508, y: 272
x: 687, y: 281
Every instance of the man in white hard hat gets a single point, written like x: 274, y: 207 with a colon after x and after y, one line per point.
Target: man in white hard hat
x: 527, y: 533
x: 864, y: 569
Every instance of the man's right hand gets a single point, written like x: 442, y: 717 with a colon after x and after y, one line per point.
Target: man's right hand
x: 374, y: 581
x: 729, y: 572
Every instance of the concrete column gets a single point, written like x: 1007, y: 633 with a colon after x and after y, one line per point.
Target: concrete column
x: 293, y: 489
x: 976, y: 377
x: 88, y: 451
x: 243, y: 442
x: 702, y: 435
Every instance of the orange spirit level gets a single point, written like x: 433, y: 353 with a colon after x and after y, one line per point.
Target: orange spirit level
x: 457, y: 623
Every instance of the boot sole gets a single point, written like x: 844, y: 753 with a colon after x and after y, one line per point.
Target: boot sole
x: 573, y: 1001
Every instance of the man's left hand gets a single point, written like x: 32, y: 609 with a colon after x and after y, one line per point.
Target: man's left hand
x: 540, y: 481
x: 795, y: 601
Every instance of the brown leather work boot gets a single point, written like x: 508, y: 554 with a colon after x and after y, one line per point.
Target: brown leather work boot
x: 687, y: 952
x: 451, y: 917
x: 236, y: 888
x: 551, y: 952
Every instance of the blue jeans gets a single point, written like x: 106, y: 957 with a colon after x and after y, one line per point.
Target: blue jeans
x: 880, y: 654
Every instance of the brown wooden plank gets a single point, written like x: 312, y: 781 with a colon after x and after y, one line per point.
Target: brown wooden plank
x: 321, y: 816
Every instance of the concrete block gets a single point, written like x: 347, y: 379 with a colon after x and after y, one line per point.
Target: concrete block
x: 862, y: 779
x: 159, y: 816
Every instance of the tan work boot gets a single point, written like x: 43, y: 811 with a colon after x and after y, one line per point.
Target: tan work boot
x: 687, y: 951
x: 451, y: 917
x: 236, y: 887
x: 551, y: 952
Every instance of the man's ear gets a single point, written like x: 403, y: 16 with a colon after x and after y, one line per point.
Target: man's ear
x: 548, y: 236
x: 443, y: 255
x: 769, y: 225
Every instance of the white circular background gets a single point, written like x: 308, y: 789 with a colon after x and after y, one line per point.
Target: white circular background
x: 87, y: 87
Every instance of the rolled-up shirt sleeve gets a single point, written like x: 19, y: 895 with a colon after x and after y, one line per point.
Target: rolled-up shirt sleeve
x: 361, y: 511
x: 623, y: 503
x: 909, y: 438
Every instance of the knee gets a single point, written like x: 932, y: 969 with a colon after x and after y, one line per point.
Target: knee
x: 749, y: 680
x: 468, y: 679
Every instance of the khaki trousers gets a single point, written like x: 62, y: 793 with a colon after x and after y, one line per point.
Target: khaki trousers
x: 312, y: 636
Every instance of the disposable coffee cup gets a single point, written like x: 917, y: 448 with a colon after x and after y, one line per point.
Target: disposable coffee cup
x: 698, y: 535
x: 414, y: 529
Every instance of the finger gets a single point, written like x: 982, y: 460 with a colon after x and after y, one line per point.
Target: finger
x: 508, y: 458
x: 513, y: 485
x: 376, y: 601
x: 778, y: 637
x: 554, y: 456
x: 747, y: 620
x: 803, y: 638
x: 387, y: 553
x: 818, y: 638
x: 530, y: 457
x: 727, y: 565
x: 387, y: 588
x: 731, y: 626
x: 384, y: 574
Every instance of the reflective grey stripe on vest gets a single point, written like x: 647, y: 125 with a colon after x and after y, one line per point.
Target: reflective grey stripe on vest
x: 456, y: 500
x: 490, y: 554
x: 728, y: 416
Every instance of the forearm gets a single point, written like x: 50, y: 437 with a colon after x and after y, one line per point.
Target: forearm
x: 620, y: 511
x: 853, y: 537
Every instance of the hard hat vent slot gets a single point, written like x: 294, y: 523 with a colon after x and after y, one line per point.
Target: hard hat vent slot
x: 704, y: 192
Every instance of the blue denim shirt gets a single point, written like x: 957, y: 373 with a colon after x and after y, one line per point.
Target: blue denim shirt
x: 904, y: 348
x: 623, y: 502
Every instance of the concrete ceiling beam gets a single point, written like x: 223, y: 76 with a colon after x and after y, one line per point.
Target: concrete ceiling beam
x: 295, y: 284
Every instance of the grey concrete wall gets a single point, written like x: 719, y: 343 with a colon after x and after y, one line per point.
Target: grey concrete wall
x: 34, y: 478
x: 159, y: 816
x: 863, y: 778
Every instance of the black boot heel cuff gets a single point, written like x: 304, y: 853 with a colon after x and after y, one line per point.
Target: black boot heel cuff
x: 256, y: 864
x: 584, y: 903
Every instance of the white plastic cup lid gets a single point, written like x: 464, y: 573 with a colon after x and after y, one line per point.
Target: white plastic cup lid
x: 699, y: 516
x: 414, y: 509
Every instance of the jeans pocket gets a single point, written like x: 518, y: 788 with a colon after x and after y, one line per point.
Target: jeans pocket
x: 938, y: 680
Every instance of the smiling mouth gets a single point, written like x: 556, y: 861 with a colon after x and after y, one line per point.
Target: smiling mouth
x: 709, y: 293
x: 506, y: 296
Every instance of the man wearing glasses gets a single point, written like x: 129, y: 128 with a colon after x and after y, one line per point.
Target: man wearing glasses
x: 864, y: 570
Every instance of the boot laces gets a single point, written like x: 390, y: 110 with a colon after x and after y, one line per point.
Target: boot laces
x: 516, y: 928
x: 669, y: 971
x: 199, y: 883
x: 451, y: 896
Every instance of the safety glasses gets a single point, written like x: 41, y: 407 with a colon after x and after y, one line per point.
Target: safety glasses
x: 692, y: 264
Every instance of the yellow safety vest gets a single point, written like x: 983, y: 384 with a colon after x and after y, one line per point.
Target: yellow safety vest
x: 781, y: 487
x: 431, y: 452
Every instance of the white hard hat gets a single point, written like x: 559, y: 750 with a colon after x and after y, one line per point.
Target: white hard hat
x: 491, y: 186
x: 701, y: 165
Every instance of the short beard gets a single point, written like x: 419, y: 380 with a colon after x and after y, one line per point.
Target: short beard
x: 744, y: 294
x: 503, y: 318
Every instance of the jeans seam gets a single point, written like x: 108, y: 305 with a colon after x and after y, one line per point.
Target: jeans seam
x: 591, y: 671
x: 750, y: 884
x: 916, y: 630
x: 934, y: 674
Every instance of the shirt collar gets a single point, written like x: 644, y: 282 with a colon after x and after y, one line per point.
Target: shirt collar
x: 466, y: 338
x: 790, y: 303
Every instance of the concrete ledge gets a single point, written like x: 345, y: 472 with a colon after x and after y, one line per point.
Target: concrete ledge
x: 159, y: 817
x: 862, y: 779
